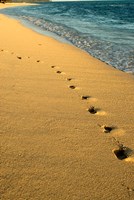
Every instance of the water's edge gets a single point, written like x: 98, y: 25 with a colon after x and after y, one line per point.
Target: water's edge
x: 63, y: 40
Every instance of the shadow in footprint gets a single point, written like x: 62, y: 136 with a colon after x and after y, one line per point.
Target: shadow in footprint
x: 19, y: 57
x: 122, y: 152
x: 58, y: 72
x: 38, y: 61
x: 72, y: 87
x: 92, y: 110
x: 107, y: 129
x: 52, y: 66
x: 69, y: 79
x: 85, y: 97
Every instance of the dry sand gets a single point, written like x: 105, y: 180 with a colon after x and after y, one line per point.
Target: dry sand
x: 52, y: 148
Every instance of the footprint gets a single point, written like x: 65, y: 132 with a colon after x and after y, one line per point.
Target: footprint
x: 69, y: 79
x: 19, y: 57
x: 130, y: 189
x: 122, y: 152
x: 106, y: 129
x: 39, y: 44
x: 72, y: 87
x: 92, y: 110
x: 85, y: 97
x: 53, y: 66
x: 4, y: 50
x: 58, y: 72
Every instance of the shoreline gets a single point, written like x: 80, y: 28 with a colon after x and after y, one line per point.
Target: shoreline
x: 53, y: 145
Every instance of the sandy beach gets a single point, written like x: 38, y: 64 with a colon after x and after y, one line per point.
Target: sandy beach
x: 66, y: 121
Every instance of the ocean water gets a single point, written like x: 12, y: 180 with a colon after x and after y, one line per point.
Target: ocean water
x: 105, y: 29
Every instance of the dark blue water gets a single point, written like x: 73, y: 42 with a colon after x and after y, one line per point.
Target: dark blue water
x: 103, y: 29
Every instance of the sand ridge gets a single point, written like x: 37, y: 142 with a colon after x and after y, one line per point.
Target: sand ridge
x: 66, y: 121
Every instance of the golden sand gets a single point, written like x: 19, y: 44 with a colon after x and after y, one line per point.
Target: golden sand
x: 63, y: 116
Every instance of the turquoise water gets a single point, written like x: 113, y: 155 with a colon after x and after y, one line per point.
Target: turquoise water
x: 103, y: 29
